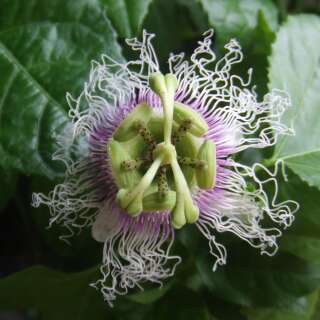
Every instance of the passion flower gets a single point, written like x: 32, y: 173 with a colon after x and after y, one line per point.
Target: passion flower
x: 150, y: 152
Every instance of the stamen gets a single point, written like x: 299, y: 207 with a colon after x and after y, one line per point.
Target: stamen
x: 145, y: 133
x: 132, y: 164
x: 182, y: 130
x: 163, y: 187
x: 193, y: 163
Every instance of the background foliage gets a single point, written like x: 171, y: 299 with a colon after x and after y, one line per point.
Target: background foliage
x: 45, y: 50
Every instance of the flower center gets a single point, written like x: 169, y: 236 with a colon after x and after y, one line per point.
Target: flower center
x: 157, y: 160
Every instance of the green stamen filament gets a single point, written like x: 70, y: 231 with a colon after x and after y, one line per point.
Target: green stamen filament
x: 193, y: 163
x: 146, y: 135
x: 163, y: 187
x: 182, y: 130
x: 132, y: 164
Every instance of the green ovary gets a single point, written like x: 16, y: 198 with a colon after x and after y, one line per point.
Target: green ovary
x: 158, y: 159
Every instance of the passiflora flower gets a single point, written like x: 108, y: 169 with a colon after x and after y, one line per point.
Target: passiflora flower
x: 148, y: 153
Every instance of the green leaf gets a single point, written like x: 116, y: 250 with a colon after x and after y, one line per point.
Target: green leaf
x: 256, y: 54
x: 302, y: 309
x: 176, y: 25
x: 253, y: 24
x: 294, y: 67
x: 316, y: 314
x: 8, y: 186
x: 250, y: 279
x: 58, y: 253
x: 238, y: 18
x: 181, y: 304
x: 45, y: 50
x: 53, y: 295
x: 151, y: 295
x: 303, y: 238
x: 126, y: 15
x: 306, y: 165
x: 28, y: 119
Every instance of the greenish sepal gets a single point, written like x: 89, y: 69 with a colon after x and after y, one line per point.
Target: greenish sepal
x: 135, y: 147
x: 117, y: 154
x: 206, y: 176
x: 153, y: 202
x: 187, y: 147
x: 155, y: 125
x: 157, y: 83
x: 189, y: 175
x: 135, y: 207
x: 128, y: 128
x: 120, y: 198
x: 182, y: 112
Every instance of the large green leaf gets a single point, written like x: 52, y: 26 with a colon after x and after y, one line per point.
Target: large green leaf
x: 53, y: 295
x: 316, y: 314
x: 256, y: 52
x: 238, y: 18
x: 249, y: 279
x: 58, y: 253
x: 302, y: 309
x: 303, y: 238
x: 253, y: 24
x: 151, y: 295
x: 7, y: 187
x: 294, y: 67
x: 56, y: 295
x: 127, y: 15
x: 28, y: 119
x: 45, y: 50
x: 181, y: 304
x: 177, y: 26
